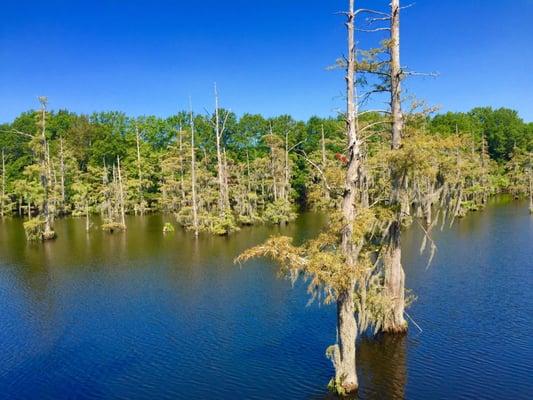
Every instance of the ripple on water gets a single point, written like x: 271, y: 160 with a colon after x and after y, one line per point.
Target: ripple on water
x: 145, y: 316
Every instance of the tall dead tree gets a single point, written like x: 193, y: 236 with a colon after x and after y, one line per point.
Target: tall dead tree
x: 530, y: 179
x: 182, y: 169
x: 273, y: 165
x: 2, y: 203
x: 121, y: 195
x: 44, y: 158
x: 62, y: 172
x: 193, y: 178
x: 344, y: 353
x: 220, y: 127
x: 393, y: 270
x: 324, y: 163
x: 139, y: 171
x: 286, y: 183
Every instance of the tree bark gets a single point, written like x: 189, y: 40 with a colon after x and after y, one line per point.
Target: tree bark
x: 182, y: 184
x: 121, y: 195
x: 483, y: 170
x: 345, y: 369
x: 139, y: 171
x: 248, y: 171
x: 286, y: 183
x: 324, y: 164
x: 223, y: 193
x: 193, y: 179
x: 48, y: 229
x: 530, y: 178
x: 345, y: 351
x: 394, y: 274
x: 87, y: 222
x: 62, y: 169
x: 2, y: 204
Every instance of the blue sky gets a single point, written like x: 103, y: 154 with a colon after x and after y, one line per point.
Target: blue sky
x: 270, y: 57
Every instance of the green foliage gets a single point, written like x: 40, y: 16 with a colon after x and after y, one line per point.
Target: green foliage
x: 272, y: 165
x: 168, y: 227
x: 279, y: 212
x: 34, y: 229
x: 112, y: 226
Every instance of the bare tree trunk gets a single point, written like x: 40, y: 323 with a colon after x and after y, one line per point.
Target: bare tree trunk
x: 273, y: 168
x: 62, y: 170
x: 121, y: 195
x: 530, y: 176
x: 324, y: 163
x: 87, y: 222
x: 394, y: 274
x: 2, y: 204
x: 107, y: 195
x: 219, y: 130
x: 286, y: 183
x: 483, y: 170
x: 225, y: 169
x: 193, y: 179
x: 345, y: 351
x: 182, y: 185
x: 48, y: 229
x: 248, y: 171
x: 52, y: 183
x: 139, y: 171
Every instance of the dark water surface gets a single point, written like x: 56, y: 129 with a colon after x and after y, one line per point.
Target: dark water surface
x: 146, y: 316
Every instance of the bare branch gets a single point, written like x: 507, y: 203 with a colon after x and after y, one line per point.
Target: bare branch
x: 369, y: 11
x: 372, y: 20
x: 373, y: 30
x: 12, y: 130
x: 296, y: 145
x: 303, y: 154
x: 364, y: 128
x: 224, y: 123
x: 373, y: 111
x: 407, y: 6
x: 414, y: 73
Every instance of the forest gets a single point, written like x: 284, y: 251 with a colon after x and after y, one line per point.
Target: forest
x: 246, y: 170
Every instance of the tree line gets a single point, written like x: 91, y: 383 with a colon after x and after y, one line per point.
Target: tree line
x: 248, y: 169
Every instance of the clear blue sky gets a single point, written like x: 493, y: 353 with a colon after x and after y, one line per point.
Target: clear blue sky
x: 147, y: 57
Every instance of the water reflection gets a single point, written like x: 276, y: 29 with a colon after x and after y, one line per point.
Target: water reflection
x: 147, y: 315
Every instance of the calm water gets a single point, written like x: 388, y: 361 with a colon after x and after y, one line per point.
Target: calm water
x: 144, y: 316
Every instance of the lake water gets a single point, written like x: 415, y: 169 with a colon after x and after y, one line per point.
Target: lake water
x: 143, y: 315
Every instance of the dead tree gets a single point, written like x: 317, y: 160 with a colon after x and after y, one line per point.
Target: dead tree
x: 2, y: 204
x: 193, y: 178
x: 62, y: 171
x: 48, y: 232
x: 139, y: 172
x: 121, y: 195
x: 344, y: 353
x: 530, y: 179
x: 220, y: 127
x: 393, y: 270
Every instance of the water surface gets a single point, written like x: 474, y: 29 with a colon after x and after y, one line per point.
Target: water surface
x: 143, y: 315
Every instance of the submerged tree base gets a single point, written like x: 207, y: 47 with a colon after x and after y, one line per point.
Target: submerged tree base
x: 50, y: 235
x: 113, y: 227
x: 396, y: 329
x: 342, y: 389
x: 35, y: 230
x: 168, y: 228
